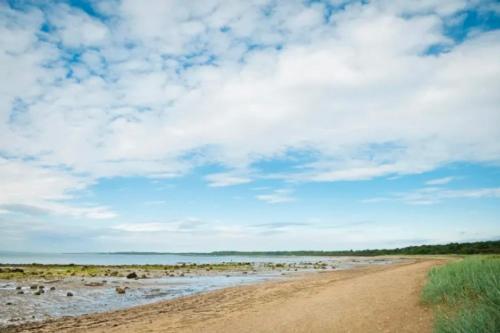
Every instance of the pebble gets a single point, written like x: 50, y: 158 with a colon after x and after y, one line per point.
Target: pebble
x: 120, y: 290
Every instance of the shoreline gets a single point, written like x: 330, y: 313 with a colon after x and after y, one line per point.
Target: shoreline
x: 37, y: 292
x: 186, y: 314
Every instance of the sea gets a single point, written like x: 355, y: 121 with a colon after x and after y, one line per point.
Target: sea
x: 143, y: 259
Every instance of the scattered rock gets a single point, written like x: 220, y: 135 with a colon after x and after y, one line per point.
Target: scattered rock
x: 120, y: 290
x: 69, y: 294
x: 132, y: 275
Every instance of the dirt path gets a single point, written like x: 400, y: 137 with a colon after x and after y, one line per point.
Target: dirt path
x: 373, y: 299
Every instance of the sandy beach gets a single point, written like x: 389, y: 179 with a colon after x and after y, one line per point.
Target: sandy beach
x: 368, y: 299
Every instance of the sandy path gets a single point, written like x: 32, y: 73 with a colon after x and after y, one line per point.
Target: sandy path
x: 372, y: 299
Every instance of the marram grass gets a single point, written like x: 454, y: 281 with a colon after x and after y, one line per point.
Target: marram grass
x: 465, y: 295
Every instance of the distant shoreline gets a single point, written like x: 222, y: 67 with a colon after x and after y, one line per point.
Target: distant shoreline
x: 483, y: 247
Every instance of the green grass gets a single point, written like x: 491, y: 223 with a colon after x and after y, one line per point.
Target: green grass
x: 465, y: 295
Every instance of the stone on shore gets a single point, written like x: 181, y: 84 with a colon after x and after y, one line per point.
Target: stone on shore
x: 120, y: 290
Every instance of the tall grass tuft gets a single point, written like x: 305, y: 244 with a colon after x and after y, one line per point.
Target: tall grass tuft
x: 465, y: 295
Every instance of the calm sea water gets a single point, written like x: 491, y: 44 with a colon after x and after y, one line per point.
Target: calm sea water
x: 138, y: 259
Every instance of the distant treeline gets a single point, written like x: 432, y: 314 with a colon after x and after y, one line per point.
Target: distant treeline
x: 490, y: 247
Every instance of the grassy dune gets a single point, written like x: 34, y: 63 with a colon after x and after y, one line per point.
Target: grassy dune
x: 465, y: 295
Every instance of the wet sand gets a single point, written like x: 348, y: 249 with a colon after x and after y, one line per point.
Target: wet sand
x: 369, y: 299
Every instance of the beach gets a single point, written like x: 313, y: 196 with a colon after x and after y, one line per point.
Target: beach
x: 376, y: 298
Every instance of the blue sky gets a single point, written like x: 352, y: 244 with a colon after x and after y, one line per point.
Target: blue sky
x: 248, y: 125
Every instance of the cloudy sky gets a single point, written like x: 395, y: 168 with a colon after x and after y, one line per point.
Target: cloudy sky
x: 248, y: 125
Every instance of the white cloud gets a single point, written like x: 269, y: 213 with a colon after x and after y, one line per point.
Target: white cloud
x: 77, y: 29
x: 277, y: 196
x: 226, y: 179
x: 434, y: 195
x: 233, y: 85
x: 31, y: 189
x: 439, y: 181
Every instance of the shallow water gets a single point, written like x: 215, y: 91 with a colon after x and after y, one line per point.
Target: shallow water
x: 138, y: 259
x: 53, y: 304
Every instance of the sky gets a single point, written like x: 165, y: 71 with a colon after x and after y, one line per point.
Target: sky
x: 248, y: 125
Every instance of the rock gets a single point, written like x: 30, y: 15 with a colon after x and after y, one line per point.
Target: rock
x: 20, y: 292
x: 69, y: 294
x: 41, y: 287
x: 132, y: 275
x: 19, y: 288
x: 9, y: 303
x: 120, y: 290
x: 52, y: 288
x: 34, y: 286
x: 37, y: 293
x: 182, y: 274
x: 144, y: 276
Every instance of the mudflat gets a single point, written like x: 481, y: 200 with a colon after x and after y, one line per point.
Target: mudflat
x: 370, y: 299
